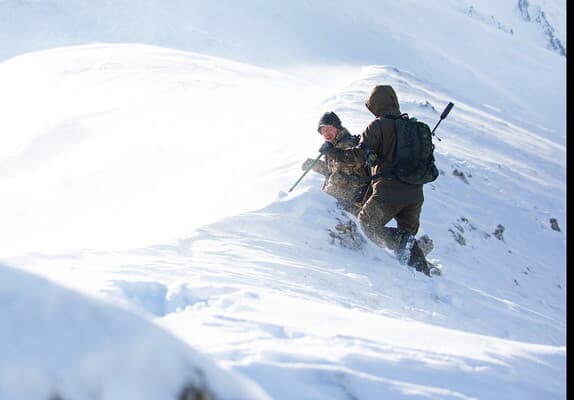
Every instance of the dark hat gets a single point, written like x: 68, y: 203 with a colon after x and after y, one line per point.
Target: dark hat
x: 329, y: 118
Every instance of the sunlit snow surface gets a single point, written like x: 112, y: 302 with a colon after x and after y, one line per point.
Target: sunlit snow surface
x: 156, y: 180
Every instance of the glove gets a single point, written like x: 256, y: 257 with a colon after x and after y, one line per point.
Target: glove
x: 371, y: 159
x: 326, y: 148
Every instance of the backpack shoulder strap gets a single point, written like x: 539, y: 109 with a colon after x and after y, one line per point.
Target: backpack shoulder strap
x: 394, y: 116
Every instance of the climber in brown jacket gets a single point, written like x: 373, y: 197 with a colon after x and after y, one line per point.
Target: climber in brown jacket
x: 390, y: 197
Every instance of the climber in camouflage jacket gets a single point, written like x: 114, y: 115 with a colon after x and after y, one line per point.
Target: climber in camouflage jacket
x: 345, y: 181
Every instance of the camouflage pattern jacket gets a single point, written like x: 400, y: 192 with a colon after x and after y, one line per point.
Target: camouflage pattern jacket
x: 345, y: 181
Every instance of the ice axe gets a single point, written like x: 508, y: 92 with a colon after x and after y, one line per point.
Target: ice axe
x: 305, y: 173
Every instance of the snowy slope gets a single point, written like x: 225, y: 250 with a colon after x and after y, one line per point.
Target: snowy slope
x: 139, y: 136
x: 273, y: 279
x: 271, y: 304
x: 59, y: 344
x: 155, y: 179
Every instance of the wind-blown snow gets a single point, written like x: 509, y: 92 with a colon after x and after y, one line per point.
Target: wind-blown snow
x: 59, y: 344
x: 153, y: 177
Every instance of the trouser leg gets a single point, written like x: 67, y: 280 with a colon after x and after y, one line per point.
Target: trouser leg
x: 408, y: 217
x: 373, y: 217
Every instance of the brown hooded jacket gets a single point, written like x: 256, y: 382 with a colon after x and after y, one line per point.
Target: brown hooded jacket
x: 380, y: 138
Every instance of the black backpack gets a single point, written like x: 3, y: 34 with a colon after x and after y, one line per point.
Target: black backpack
x: 414, y: 161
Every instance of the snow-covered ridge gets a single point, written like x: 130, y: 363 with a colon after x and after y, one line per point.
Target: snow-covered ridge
x: 142, y: 166
x: 227, y: 28
x: 176, y: 137
x: 427, y: 43
x: 537, y: 15
x: 538, y: 23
